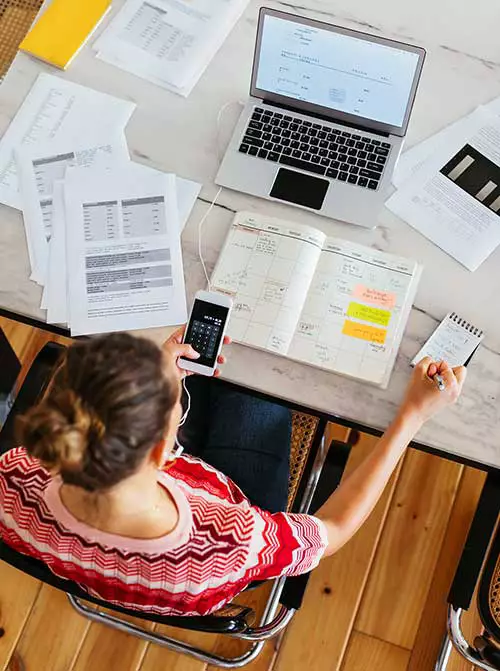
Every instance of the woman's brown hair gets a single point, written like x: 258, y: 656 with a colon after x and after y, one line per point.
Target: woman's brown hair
x: 108, y: 405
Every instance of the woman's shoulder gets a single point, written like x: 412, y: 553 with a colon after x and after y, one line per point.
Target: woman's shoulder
x: 197, y: 476
x: 18, y: 461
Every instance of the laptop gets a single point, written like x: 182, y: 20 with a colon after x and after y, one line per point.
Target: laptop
x: 326, y: 120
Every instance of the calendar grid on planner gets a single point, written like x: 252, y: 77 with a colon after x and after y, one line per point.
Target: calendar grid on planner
x: 322, y: 301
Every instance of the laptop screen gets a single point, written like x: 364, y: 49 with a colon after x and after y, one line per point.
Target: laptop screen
x: 340, y: 70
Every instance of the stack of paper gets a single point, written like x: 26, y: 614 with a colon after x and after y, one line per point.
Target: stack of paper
x: 168, y: 42
x: 449, y: 187
x: 87, y: 207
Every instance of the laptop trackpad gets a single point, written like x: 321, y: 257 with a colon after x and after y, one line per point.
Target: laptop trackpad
x: 295, y: 187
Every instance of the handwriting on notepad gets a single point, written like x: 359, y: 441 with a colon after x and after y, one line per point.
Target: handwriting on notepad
x: 364, y: 332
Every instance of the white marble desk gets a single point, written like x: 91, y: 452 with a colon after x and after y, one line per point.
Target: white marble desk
x: 174, y: 134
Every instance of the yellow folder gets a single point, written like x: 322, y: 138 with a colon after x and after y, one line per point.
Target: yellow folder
x: 63, y: 29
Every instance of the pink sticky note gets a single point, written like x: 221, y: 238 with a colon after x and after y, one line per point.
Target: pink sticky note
x: 384, y: 299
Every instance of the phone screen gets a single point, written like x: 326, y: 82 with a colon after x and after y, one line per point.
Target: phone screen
x: 204, y: 331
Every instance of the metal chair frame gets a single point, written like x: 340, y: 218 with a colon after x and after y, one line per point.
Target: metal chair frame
x: 456, y: 639
x: 467, y: 575
x: 282, y: 603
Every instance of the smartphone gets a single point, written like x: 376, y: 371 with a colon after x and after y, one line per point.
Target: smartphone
x: 205, y: 331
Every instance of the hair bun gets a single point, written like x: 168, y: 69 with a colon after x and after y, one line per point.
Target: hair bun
x: 58, y: 431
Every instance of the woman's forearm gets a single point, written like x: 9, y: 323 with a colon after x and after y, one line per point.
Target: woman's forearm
x: 354, y: 499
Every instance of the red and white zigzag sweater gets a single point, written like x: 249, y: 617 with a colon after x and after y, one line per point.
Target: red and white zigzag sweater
x: 220, y: 545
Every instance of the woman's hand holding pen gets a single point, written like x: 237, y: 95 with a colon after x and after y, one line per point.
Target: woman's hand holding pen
x: 434, y: 386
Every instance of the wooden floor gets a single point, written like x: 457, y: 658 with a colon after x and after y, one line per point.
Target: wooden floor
x: 378, y: 605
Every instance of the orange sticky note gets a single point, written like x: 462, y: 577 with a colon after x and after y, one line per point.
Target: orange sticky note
x: 384, y: 299
x: 364, y: 332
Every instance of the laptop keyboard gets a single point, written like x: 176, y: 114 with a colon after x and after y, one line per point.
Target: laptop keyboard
x: 313, y: 147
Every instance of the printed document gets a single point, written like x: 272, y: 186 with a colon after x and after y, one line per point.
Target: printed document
x: 454, y: 198
x: 168, y: 42
x: 124, y: 253
x: 56, y: 288
x: 57, y: 110
x: 415, y: 157
x: 38, y: 168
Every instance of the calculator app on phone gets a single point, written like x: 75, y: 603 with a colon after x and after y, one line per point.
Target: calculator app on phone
x: 205, y: 329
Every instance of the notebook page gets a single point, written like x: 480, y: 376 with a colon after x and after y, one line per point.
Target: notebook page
x: 355, y: 312
x: 266, y: 265
x: 454, y: 341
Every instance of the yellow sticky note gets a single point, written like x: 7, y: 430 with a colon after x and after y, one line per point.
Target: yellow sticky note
x: 364, y: 332
x: 369, y: 314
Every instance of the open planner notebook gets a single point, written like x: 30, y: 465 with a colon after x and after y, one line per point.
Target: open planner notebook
x: 323, y: 301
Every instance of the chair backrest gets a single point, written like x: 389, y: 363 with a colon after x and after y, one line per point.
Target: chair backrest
x: 489, y: 590
x: 16, y: 17
x: 31, y: 390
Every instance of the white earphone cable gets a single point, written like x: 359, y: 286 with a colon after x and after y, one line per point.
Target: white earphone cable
x: 200, y: 226
x: 183, y: 419
x: 220, y: 153
x: 180, y: 448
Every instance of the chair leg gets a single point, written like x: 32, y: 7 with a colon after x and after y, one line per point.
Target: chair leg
x: 444, y: 654
x: 460, y: 643
x: 109, y: 620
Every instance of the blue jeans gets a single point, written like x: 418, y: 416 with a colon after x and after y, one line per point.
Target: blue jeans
x: 246, y: 438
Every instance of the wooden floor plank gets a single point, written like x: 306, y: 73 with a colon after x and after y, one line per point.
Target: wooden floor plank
x: 432, y: 625
x: 158, y: 658
x: 371, y: 654
x: 111, y: 650
x: 407, y: 555
x: 18, y: 593
x: 229, y: 647
x: 56, y: 639
x: 319, y: 632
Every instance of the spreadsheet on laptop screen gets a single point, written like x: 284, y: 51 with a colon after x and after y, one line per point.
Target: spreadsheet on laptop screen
x: 337, y: 71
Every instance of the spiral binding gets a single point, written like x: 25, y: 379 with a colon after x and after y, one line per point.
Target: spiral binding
x: 466, y: 325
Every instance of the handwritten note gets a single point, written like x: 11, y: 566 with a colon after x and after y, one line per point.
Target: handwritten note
x: 364, y: 332
x: 383, y: 299
x: 369, y: 314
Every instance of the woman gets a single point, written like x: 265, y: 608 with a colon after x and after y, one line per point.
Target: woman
x: 93, y: 492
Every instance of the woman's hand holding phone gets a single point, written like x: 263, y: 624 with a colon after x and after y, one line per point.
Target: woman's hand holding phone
x: 177, y: 348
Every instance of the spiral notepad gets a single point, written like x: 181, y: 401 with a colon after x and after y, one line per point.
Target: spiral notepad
x: 455, y: 340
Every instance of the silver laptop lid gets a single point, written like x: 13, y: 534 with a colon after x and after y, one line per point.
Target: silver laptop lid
x: 336, y: 72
